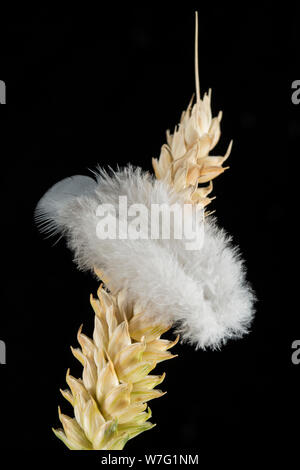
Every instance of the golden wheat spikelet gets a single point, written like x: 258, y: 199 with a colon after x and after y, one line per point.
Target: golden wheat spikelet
x: 110, y: 401
x: 185, y: 162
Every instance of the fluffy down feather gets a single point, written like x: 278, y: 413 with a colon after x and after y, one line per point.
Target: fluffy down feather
x: 204, y: 293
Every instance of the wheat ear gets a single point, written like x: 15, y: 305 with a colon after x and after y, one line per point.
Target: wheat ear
x: 110, y: 401
x: 184, y: 162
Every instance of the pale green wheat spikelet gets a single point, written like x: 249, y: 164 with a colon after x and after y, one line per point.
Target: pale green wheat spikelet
x: 185, y: 160
x: 110, y: 401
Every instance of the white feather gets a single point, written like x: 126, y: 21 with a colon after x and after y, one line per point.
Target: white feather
x: 204, y: 292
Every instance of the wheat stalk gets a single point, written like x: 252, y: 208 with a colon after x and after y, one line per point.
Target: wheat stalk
x: 110, y: 401
x: 185, y: 162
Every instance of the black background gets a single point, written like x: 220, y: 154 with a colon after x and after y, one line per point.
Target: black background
x: 88, y: 86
